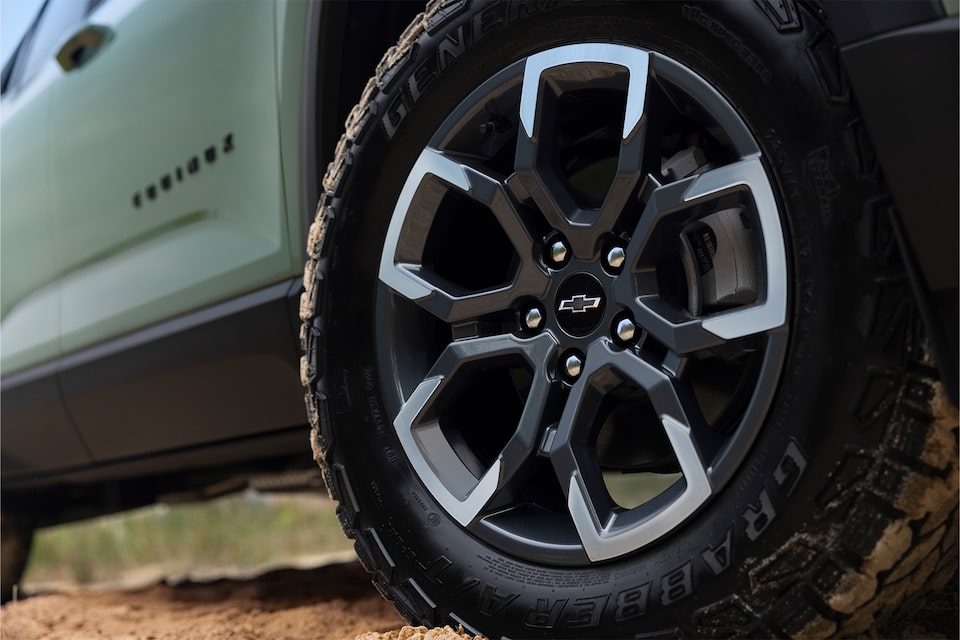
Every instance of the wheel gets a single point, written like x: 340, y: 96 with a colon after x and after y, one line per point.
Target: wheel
x: 16, y: 536
x: 606, y: 332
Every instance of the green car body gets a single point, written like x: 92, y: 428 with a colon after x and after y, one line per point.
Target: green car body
x: 203, y: 199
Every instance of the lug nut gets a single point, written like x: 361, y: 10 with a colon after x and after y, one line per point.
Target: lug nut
x: 626, y: 330
x: 573, y: 365
x: 558, y: 252
x: 615, y: 257
x: 533, y: 319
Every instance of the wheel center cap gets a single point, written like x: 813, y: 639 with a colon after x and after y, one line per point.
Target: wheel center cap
x: 579, y: 304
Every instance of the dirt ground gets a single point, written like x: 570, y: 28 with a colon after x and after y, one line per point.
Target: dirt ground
x: 332, y: 602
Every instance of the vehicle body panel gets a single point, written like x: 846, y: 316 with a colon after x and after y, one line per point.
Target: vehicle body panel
x: 30, y: 307
x: 179, y: 109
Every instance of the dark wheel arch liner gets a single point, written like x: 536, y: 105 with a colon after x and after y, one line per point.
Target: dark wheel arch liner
x: 344, y: 43
x: 912, y: 47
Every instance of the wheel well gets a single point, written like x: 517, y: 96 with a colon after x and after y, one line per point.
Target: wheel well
x: 350, y: 38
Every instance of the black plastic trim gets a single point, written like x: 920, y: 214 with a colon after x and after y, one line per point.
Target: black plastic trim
x: 939, y: 317
x: 153, y: 390
x: 206, y: 471
x: 853, y: 20
x: 181, y: 460
x: 907, y: 84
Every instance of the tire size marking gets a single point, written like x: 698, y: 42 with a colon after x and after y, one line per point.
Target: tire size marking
x: 821, y: 181
x: 732, y: 40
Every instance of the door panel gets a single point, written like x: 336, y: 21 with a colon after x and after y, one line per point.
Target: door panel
x: 38, y: 435
x: 166, y: 166
x: 29, y: 299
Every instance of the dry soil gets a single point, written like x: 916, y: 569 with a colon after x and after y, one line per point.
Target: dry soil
x: 333, y: 602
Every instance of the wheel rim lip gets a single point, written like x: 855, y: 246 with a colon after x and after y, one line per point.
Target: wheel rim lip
x: 725, y: 462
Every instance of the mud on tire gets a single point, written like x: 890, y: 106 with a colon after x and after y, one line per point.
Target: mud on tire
x: 828, y: 471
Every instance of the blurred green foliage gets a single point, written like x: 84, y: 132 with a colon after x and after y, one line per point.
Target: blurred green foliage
x: 239, y: 532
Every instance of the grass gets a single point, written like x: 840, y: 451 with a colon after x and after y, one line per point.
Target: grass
x: 241, y: 532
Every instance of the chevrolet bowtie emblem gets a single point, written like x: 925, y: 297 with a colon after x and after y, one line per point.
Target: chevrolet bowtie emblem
x: 579, y: 303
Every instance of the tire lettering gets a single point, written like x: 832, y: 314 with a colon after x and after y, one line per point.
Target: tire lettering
x: 546, y: 614
x: 420, y: 80
x: 677, y: 584
x: 586, y: 612
x: 376, y: 415
x: 485, y: 22
x: 517, y: 10
x: 821, y: 181
x: 718, y: 558
x: 396, y: 114
x: 758, y: 519
x: 493, y: 601
x: 369, y: 379
x: 696, y: 16
x: 377, y: 493
x: 341, y: 393
x: 466, y: 585
x: 435, y: 569
x: 791, y: 467
x: 632, y: 603
x: 450, y: 48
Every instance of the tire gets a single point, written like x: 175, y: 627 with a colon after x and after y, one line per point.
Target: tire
x: 517, y: 291
x: 16, y: 537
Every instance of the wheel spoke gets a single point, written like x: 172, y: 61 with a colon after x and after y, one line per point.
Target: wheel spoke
x: 455, y: 486
x: 604, y: 531
x: 401, y: 263
x: 585, y: 65
x: 668, y: 210
x: 524, y: 443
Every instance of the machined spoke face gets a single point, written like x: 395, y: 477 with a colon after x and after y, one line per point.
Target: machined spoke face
x: 402, y: 263
x: 585, y: 303
x: 675, y: 208
x: 604, y: 530
x: 437, y: 455
x: 548, y: 75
